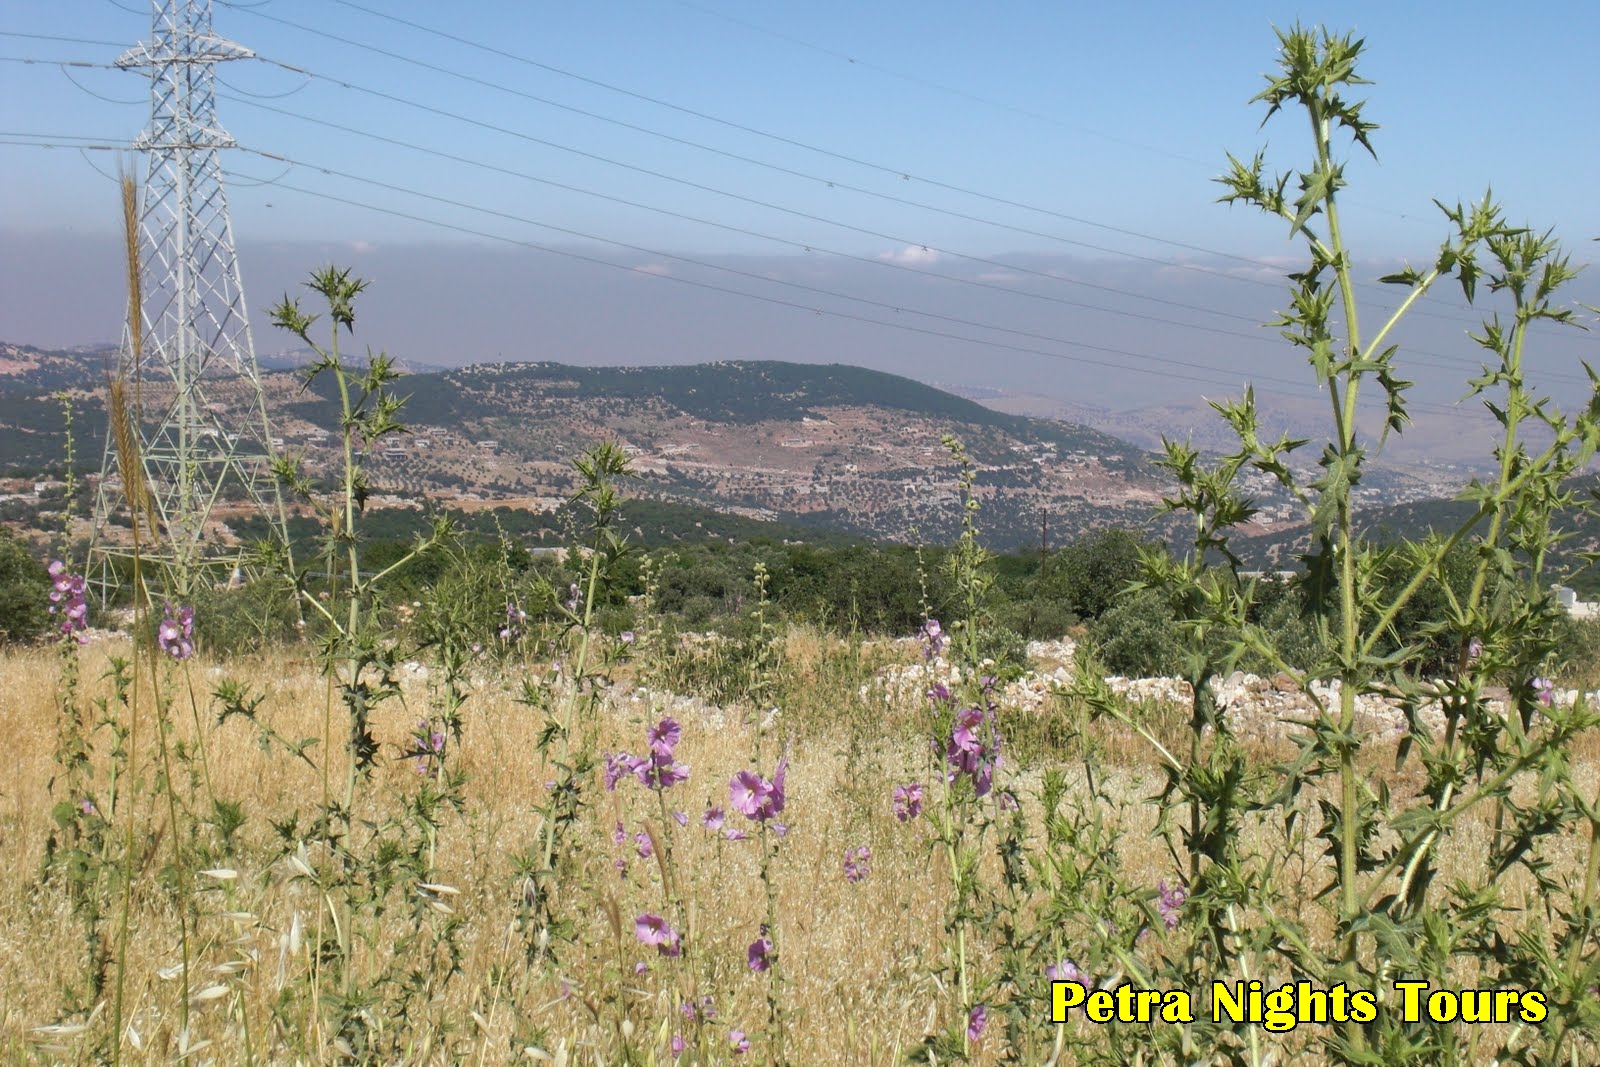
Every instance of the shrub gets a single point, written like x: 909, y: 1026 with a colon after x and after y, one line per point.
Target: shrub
x: 1138, y: 637
x: 24, y: 592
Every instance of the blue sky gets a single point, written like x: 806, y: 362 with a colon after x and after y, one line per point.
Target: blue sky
x: 1101, y: 124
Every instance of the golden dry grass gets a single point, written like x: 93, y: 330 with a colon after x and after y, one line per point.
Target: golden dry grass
x: 861, y: 960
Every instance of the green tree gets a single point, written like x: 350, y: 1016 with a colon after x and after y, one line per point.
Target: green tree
x: 1089, y: 575
x: 24, y: 592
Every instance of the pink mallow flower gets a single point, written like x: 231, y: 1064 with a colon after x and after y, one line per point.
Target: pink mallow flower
x: 856, y: 863
x: 175, y: 635
x: 1544, y: 690
x: 908, y: 801
x: 756, y: 798
x: 654, y: 930
x: 977, y: 1019
x: 1169, y: 902
x: 1065, y: 971
x: 759, y: 955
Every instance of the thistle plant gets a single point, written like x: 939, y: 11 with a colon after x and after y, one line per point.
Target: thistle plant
x: 568, y: 697
x: 1393, y: 915
x: 361, y: 861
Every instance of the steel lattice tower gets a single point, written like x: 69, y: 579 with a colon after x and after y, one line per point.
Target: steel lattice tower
x: 201, y: 415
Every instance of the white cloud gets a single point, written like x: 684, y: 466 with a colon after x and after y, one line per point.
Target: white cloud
x: 911, y: 256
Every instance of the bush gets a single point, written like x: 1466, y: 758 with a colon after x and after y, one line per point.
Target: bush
x: 1138, y: 637
x: 230, y: 622
x: 24, y: 592
x: 1088, y: 576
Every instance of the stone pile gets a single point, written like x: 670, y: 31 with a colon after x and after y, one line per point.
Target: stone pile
x: 1265, y: 708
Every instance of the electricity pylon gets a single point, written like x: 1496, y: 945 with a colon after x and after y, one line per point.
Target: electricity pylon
x: 193, y: 385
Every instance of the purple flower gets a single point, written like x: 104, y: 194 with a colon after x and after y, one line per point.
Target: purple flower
x: 626, y: 637
x: 977, y: 1019
x: 175, y: 635
x: 618, y: 766
x: 643, y: 845
x: 660, y: 772
x: 427, y: 744
x: 711, y: 819
x: 1170, y: 901
x: 733, y: 833
x: 67, y: 597
x: 705, y: 1009
x: 739, y: 1043
x: 756, y: 798
x: 664, y: 736
x: 933, y: 639
x: 654, y: 930
x: 515, y: 617
x: 678, y: 1045
x: 641, y: 967
x: 856, y: 863
x: 1065, y: 971
x: 1544, y: 689
x: 86, y: 806
x: 908, y: 801
x: 618, y: 834
x: 681, y: 818
x: 1475, y: 648
x: 759, y: 955
x: 974, y: 749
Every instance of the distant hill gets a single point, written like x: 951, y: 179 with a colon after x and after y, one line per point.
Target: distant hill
x: 1416, y: 520
x: 835, y: 450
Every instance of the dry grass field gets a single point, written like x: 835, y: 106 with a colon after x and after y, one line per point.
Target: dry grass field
x: 863, y: 961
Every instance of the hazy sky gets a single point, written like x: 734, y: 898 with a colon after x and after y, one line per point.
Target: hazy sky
x: 1054, y: 156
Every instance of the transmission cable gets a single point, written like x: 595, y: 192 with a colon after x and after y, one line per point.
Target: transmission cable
x: 813, y: 309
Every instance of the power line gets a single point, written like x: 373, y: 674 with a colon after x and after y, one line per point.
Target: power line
x: 756, y: 202
x: 751, y: 275
x: 913, y: 79
x: 59, y: 140
x: 1454, y: 411
x: 777, y: 301
x: 831, y: 183
x: 897, y: 309
x: 479, y: 163
x: 1440, y: 360
x: 807, y: 246
x: 65, y: 40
